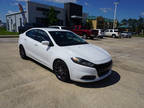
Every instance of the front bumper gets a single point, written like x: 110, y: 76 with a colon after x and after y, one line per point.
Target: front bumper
x: 78, y: 72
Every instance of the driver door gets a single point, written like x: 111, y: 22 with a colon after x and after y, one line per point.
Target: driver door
x: 43, y: 52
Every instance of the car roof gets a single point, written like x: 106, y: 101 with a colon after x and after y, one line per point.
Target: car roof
x: 112, y: 29
x: 49, y: 29
x: 56, y: 26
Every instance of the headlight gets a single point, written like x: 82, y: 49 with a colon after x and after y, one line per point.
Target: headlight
x: 82, y: 62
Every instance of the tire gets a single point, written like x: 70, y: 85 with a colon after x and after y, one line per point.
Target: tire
x: 22, y: 52
x: 130, y: 36
x: 84, y: 36
x: 92, y: 38
x: 113, y: 36
x: 61, y: 70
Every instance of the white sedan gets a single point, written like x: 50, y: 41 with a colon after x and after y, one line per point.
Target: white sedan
x: 69, y: 56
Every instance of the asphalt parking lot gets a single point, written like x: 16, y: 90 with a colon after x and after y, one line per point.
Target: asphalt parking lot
x: 27, y: 84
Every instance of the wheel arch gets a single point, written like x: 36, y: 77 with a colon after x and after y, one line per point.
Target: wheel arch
x: 65, y: 64
x: 20, y: 45
x: 57, y: 60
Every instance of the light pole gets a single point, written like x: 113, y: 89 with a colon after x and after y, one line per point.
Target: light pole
x: 115, y: 11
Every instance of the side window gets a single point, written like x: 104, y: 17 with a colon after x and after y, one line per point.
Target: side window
x: 31, y: 34
x: 74, y: 27
x: 42, y: 36
x: 111, y: 30
x: 106, y: 30
x: 55, y: 27
x: 77, y: 27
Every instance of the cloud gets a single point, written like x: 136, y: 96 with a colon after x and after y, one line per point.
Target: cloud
x: 22, y: 0
x: 142, y: 14
x: 86, y: 3
x: 105, y: 10
x: 14, y: 4
x: 10, y: 12
x: 62, y: 1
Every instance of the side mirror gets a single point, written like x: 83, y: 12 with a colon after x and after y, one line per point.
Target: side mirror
x: 47, y: 43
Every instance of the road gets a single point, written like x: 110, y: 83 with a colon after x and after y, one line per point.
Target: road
x: 27, y: 84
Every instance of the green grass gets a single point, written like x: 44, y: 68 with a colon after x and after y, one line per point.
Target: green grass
x: 3, y: 31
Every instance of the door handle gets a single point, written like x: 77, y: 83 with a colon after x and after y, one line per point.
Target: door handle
x: 24, y: 39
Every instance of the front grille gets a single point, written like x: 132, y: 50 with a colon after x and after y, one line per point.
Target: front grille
x: 103, y: 69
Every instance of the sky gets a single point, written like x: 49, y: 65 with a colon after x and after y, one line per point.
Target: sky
x: 126, y: 8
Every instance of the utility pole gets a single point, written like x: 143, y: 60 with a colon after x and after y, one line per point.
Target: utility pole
x: 115, y: 12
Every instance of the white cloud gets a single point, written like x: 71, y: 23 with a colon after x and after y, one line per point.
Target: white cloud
x: 22, y: 0
x: 10, y: 12
x: 14, y: 4
x: 62, y: 1
x: 86, y: 3
x: 142, y: 14
x: 105, y: 10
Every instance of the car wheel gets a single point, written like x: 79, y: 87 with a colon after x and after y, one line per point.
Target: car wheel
x: 61, y: 70
x: 113, y: 36
x: 92, y: 38
x: 84, y: 36
x: 22, y: 52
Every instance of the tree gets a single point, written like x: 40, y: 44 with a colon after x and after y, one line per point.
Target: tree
x: 140, y: 26
x: 136, y: 25
x: 124, y: 22
x: 88, y: 24
x: 52, y: 17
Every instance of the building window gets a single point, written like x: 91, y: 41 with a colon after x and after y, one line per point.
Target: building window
x: 42, y: 9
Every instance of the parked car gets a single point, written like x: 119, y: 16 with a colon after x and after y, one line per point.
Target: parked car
x: 100, y: 33
x: 22, y: 29
x: 69, y: 56
x: 112, y: 33
x: 59, y: 27
x: 126, y: 34
x: 84, y: 32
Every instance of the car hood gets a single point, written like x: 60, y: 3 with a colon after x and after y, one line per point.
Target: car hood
x: 89, y: 52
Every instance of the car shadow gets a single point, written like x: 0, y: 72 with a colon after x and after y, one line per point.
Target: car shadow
x: 110, y: 80
x: 43, y: 66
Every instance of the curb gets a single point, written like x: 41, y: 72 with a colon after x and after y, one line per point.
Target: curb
x: 9, y: 36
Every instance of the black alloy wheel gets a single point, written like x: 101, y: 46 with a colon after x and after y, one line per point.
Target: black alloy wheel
x: 61, y: 70
x: 113, y: 36
x: 22, y: 52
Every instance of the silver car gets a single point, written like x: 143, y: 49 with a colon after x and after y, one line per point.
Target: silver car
x: 126, y: 34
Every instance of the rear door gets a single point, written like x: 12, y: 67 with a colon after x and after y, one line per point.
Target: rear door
x: 111, y: 32
x: 106, y: 33
x: 31, y: 43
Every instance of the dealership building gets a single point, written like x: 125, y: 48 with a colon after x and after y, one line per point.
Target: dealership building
x: 35, y: 13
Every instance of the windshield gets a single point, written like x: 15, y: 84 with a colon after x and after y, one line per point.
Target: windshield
x: 63, y: 38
